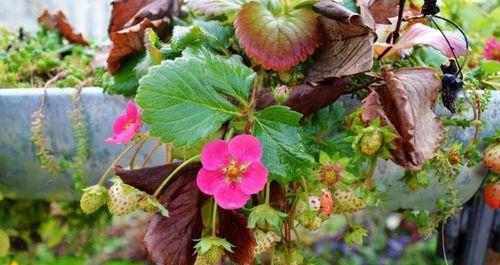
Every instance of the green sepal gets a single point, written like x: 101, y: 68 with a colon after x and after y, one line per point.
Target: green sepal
x: 265, y: 217
x: 206, y: 243
x: 355, y: 235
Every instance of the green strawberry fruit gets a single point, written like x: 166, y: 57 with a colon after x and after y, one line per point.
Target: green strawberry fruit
x: 346, y: 201
x: 122, y: 198
x: 371, y: 142
x: 93, y: 198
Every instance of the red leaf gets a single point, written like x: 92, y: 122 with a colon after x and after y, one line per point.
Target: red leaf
x: 277, y: 41
x: 169, y: 241
x: 233, y: 227
x: 60, y: 23
x: 129, y: 19
x: 306, y: 98
x: 407, y: 102
x: 348, y: 45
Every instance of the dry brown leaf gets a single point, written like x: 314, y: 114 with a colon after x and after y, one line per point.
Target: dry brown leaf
x: 60, y: 23
x: 381, y: 10
x: 129, y: 19
x: 348, y: 42
x: 407, y: 102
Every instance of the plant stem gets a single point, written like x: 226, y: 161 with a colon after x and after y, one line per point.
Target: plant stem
x: 229, y: 134
x: 117, y: 159
x: 214, y: 219
x: 134, y: 155
x: 171, y: 175
x: 268, y: 192
x: 150, y: 154
x: 304, y: 186
x: 369, y: 175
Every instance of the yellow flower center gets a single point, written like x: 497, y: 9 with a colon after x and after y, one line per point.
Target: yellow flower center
x: 234, y: 171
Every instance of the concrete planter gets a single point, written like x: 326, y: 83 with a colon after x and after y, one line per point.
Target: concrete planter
x: 22, y: 177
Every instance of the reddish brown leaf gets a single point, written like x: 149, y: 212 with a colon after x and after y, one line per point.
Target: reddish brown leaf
x: 233, y: 227
x: 169, y: 240
x: 60, y: 23
x: 381, y: 10
x: 406, y: 102
x: 129, y: 19
x: 306, y: 98
x: 348, y: 45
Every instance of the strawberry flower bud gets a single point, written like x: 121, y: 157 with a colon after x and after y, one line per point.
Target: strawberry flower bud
x: 281, y: 94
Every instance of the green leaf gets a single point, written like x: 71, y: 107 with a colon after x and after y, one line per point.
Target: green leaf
x: 4, y: 243
x: 355, y: 235
x: 284, y: 155
x: 215, y: 33
x: 428, y: 56
x: 228, y: 76
x: 186, y: 36
x: 125, y: 81
x: 180, y: 98
x: 490, y: 67
x: 216, y: 7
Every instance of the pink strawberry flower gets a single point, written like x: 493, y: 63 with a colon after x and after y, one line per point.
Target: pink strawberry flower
x: 127, y: 125
x: 232, y: 171
x: 492, y: 50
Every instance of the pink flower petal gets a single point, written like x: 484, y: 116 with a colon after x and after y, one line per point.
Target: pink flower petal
x: 421, y: 34
x: 229, y: 196
x: 120, y: 124
x: 254, y: 179
x: 132, y: 111
x: 492, y: 50
x: 208, y: 180
x: 215, y: 155
x: 245, y: 148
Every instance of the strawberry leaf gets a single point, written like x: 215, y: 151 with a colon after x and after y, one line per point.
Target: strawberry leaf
x: 233, y: 227
x: 170, y: 240
x: 348, y: 45
x: 284, y: 155
x: 215, y: 7
x: 406, y: 102
x: 276, y: 40
x: 181, y: 100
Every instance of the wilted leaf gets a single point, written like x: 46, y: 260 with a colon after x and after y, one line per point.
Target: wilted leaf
x: 407, y: 102
x: 215, y: 7
x: 420, y: 34
x: 381, y: 10
x: 130, y: 18
x: 60, y: 23
x: 274, y: 40
x: 170, y: 241
x: 308, y: 99
x: 233, y: 228
x: 348, y: 45
x: 284, y: 155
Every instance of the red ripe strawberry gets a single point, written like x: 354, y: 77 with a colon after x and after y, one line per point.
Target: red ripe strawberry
x: 492, y: 195
x: 492, y: 158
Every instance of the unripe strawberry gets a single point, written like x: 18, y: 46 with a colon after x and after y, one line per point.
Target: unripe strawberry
x: 492, y: 158
x: 371, y: 142
x: 122, y: 198
x: 310, y: 220
x: 346, y: 201
x: 492, y: 195
x: 264, y: 240
x: 212, y: 257
x: 93, y: 198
